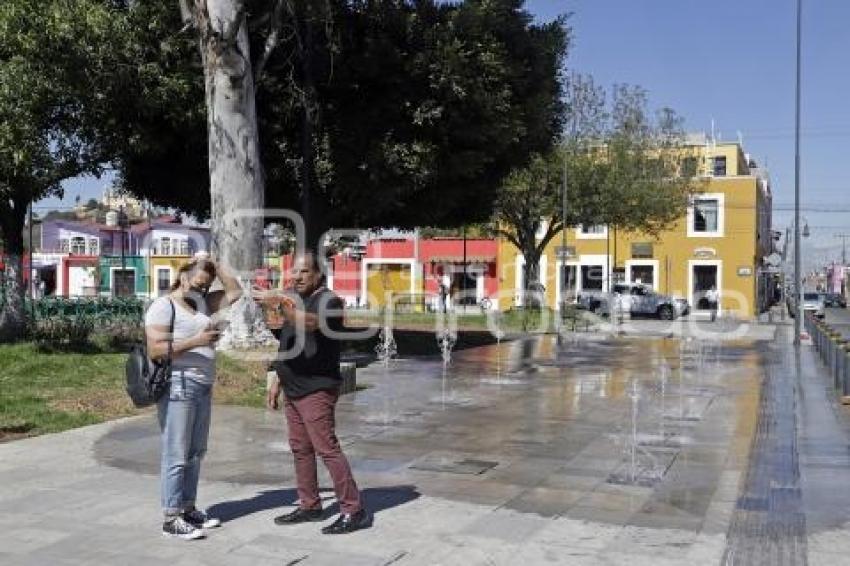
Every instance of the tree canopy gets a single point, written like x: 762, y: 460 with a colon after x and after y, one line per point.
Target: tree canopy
x: 417, y: 110
x: 623, y: 168
x: 49, y: 55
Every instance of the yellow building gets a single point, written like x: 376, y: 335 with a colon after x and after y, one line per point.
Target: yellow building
x: 722, y: 242
x: 164, y: 270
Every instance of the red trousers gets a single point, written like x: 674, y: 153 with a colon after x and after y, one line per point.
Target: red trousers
x: 312, y: 423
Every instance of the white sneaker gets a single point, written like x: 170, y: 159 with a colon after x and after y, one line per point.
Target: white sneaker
x: 180, y: 528
x: 201, y: 520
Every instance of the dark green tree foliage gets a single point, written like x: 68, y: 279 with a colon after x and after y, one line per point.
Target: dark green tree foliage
x: 371, y: 113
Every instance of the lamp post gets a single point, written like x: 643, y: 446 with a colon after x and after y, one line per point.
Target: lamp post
x: 797, y: 274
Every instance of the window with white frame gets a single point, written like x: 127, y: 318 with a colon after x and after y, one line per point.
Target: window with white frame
x: 94, y: 246
x: 184, y: 247
x: 64, y: 246
x: 706, y: 213
x: 591, y: 232
x: 78, y: 245
x: 165, y: 246
x: 705, y: 216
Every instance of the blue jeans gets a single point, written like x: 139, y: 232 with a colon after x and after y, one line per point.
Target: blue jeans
x: 184, y: 419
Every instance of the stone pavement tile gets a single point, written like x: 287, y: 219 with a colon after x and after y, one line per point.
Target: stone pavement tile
x: 577, y: 534
x: 830, y: 541
x: 320, y: 551
x: 816, y: 558
x: 26, y: 540
x: 598, y: 515
x: 664, y: 543
x: 612, y: 501
x: 527, y: 472
x: 577, y: 480
x: 506, y: 526
x: 547, y: 502
x: 630, y: 559
x: 717, y: 517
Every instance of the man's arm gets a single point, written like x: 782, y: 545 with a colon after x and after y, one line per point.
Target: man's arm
x: 330, y: 310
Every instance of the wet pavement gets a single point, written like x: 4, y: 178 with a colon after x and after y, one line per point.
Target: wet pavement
x: 607, y: 451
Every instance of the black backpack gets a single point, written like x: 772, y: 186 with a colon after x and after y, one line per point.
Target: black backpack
x: 147, y: 380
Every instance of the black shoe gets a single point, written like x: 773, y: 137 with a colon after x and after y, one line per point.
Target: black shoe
x: 299, y: 516
x: 347, y: 523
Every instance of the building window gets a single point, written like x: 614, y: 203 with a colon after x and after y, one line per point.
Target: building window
x: 642, y: 250
x: 78, y: 245
x: 165, y: 246
x: 592, y: 232
x: 63, y: 245
x: 163, y: 281
x: 689, y: 167
x: 94, y: 246
x: 706, y: 215
x: 642, y: 274
x: 184, y: 247
x: 594, y: 229
x: 719, y: 166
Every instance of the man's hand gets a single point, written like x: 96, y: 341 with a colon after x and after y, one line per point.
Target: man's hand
x: 273, y: 396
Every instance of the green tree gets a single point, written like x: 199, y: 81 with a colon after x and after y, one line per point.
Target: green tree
x: 622, y: 167
x: 369, y: 113
x: 47, y: 50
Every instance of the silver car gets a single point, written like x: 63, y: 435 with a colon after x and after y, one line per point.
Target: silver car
x: 814, y: 303
x: 635, y: 299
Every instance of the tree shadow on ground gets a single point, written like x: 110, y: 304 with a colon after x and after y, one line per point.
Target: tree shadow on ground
x: 375, y: 500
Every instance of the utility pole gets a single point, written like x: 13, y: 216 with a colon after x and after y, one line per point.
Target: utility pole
x: 797, y: 265
x: 843, y: 247
x: 565, y: 271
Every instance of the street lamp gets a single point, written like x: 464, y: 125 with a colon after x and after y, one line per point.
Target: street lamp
x: 797, y: 320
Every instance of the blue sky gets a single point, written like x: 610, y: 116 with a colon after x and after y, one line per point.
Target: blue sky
x: 731, y: 61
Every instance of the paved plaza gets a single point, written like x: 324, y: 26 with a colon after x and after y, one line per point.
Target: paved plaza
x: 608, y: 451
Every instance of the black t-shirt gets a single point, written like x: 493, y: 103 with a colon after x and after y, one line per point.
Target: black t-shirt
x: 315, y: 366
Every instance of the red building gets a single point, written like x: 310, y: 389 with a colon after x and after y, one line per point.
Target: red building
x: 469, y: 264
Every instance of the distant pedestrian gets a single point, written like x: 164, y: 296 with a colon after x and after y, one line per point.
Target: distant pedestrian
x: 310, y: 380
x: 184, y: 409
x: 712, y: 297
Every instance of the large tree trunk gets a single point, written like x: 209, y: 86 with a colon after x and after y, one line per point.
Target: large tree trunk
x: 13, y: 315
x: 532, y: 296
x: 237, y: 188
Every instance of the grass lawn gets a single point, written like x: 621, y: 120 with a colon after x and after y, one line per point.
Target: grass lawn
x: 43, y: 392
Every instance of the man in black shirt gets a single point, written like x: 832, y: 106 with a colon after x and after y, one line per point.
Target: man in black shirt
x: 308, y: 370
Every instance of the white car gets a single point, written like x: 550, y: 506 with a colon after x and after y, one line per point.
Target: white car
x: 637, y: 300
x: 814, y: 303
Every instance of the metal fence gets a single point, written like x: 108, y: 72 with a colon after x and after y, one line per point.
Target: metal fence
x: 834, y: 350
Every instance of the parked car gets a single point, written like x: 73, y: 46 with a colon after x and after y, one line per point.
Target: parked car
x: 636, y: 300
x: 814, y: 303
x: 835, y: 300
